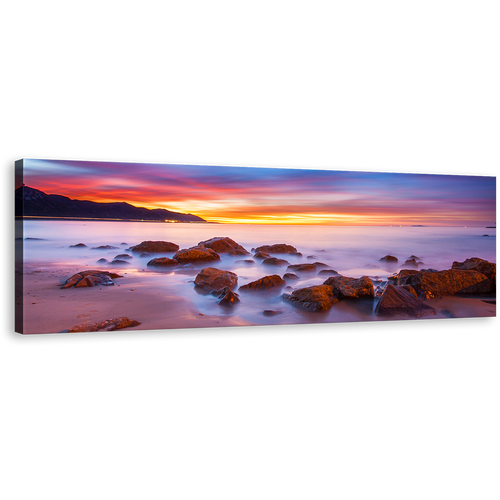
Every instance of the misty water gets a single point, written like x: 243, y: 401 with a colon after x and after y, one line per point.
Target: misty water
x: 351, y: 251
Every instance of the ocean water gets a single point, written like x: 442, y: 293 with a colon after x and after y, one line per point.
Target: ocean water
x: 351, y: 251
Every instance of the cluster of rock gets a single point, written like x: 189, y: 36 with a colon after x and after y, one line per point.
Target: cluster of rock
x: 90, y: 278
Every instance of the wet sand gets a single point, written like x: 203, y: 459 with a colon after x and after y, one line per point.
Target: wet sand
x: 144, y: 297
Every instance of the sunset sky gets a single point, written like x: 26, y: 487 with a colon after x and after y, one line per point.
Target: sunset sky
x: 275, y: 195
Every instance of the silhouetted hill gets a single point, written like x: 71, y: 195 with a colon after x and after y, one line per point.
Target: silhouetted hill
x: 32, y: 202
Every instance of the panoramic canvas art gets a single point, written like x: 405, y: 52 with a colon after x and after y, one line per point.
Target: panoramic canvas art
x: 107, y: 246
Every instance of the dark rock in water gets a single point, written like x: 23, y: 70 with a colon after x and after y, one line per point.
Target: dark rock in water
x: 109, y: 325
x: 321, y: 264
x: 485, y: 235
x: 155, y: 247
x: 351, y: 288
x: 261, y: 255
x: 411, y: 263
x: 196, y: 254
x: 211, y: 278
x: 223, y: 244
x: 90, y: 278
x: 78, y: 245
x: 290, y: 276
x: 302, y: 267
x: 414, y: 257
x: 400, y: 278
x: 273, y: 261
x: 270, y: 312
x: 162, y: 262
x: 245, y: 261
x: 102, y: 261
x: 327, y: 271
x: 398, y: 301
x: 480, y: 265
x: 145, y: 254
x: 297, y: 254
x: 124, y: 244
x: 124, y: 256
x: 311, y: 257
x: 105, y: 247
x: 228, y: 298
x: 441, y: 283
x: 37, y: 239
x: 119, y: 262
x: 313, y: 298
x: 277, y: 248
x: 265, y: 283
x: 389, y: 258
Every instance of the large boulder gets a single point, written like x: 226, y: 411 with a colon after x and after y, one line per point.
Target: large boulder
x: 155, y: 247
x: 277, y: 248
x: 196, y: 254
x: 400, y: 301
x: 227, y: 297
x: 162, y: 262
x: 350, y: 288
x: 312, y: 298
x: 211, y: 278
x: 223, y: 244
x: 400, y: 278
x: 302, y: 267
x: 489, y: 269
x: 273, y: 261
x: 261, y: 255
x: 389, y: 258
x: 90, y: 278
x: 265, y: 283
x: 450, y: 282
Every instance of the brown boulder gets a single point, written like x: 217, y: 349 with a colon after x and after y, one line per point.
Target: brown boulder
x: 400, y: 278
x: 411, y: 263
x: 223, y: 244
x: 211, y: 278
x: 273, y: 261
x: 449, y: 282
x: 389, y: 258
x: 78, y: 245
x: 90, y: 278
x: 351, y: 288
x: 228, y: 297
x: 489, y: 269
x: 261, y: 255
x: 162, y: 262
x: 399, y: 301
x: 265, y: 283
x: 290, y: 276
x: 313, y: 298
x: 277, y: 248
x: 196, y: 254
x: 109, y: 325
x: 155, y: 247
x: 105, y: 247
x: 327, y: 271
x: 302, y: 267
x: 123, y: 256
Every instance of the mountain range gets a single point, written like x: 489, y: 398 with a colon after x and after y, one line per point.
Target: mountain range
x: 32, y: 202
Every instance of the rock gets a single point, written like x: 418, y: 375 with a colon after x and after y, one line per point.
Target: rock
x: 78, y: 245
x: 321, y: 264
x: 303, y: 268
x: 265, y: 283
x: 399, y: 301
x: 223, y: 244
x: 109, y: 325
x: 411, y: 263
x: 102, y: 261
x: 313, y: 298
x: 155, y: 247
x: 124, y: 244
x: 211, y: 278
x: 409, y: 289
x: 246, y: 261
x: 273, y: 261
x: 414, y: 257
x: 105, y: 247
x: 261, y: 255
x: 485, y: 235
x: 196, y: 254
x: 351, y: 288
x: 480, y: 265
x: 277, y: 248
x: 311, y: 257
x: 228, y: 298
x: 290, y: 276
x: 162, y: 262
x: 327, y: 271
x: 124, y: 256
x: 389, y: 258
x: 145, y: 254
x: 449, y: 282
x: 119, y: 262
x: 270, y: 312
x: 400, y: 278
x: 297, y: 254
x: 90, y: 278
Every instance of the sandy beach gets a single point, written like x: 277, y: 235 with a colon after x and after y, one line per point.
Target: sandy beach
x: 143, y: 297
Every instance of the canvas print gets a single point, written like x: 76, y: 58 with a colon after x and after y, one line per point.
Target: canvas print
x: 104, y: 246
